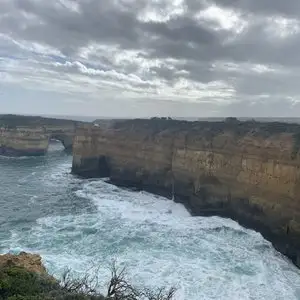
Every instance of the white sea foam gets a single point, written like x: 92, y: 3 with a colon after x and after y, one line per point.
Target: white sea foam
x: 17, y: 157
x: 161, y: 244
x: 32, y: 200
x: 57, y: 175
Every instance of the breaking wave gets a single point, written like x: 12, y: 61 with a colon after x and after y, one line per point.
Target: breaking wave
x: 79, y: 223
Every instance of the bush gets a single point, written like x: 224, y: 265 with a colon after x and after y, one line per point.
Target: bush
x: 17, y: 283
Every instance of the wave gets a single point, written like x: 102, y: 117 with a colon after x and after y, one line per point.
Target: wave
x: 18, y: 157
x: 157, y: 239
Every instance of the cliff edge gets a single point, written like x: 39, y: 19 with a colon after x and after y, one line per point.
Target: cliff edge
x: 28, y: 261
x: 247, y: 171
x: 23, y: 277
x: 30, y: 135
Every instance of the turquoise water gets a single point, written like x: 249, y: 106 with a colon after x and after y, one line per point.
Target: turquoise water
x: 80, y: 223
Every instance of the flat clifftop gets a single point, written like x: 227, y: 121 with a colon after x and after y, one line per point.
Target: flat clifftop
x: 248, y: 171
x: 30, y: 135
x: 230, y: 124
x: 12, y: 121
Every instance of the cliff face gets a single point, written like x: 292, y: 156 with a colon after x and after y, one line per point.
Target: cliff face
x: 23, y: 135
x: 247, y: 171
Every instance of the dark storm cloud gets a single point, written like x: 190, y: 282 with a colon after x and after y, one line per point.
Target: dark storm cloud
x: 70, y: 29
x: 105, y: 22
x: 179, y: 37
x: 240, y: 49
x: 256, y: 43
x: 259, y: 44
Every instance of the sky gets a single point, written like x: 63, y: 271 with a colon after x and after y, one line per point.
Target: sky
x: 142, y: 58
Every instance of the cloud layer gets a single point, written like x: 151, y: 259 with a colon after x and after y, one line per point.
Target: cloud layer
x: 150, y: 57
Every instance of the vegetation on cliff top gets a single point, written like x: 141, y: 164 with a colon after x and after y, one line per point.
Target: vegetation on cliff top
x: 13, y: 121
x: 18, y: 283
x: 210, y: 129
x: 230, y: 124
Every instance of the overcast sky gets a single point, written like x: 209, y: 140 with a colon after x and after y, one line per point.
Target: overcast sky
x: 137, y: 58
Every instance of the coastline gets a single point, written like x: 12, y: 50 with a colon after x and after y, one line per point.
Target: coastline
x: 280, y: 244
x: 246, y: 171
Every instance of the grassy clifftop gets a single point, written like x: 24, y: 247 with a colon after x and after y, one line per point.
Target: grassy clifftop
x: 229, y: 124
x: 23, y: 277
x: 12, y: 121
x: 18, y: 283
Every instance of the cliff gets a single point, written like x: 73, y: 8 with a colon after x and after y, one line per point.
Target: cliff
x: 247, y: 171
x: 28, y: 261
x: 30, y: 135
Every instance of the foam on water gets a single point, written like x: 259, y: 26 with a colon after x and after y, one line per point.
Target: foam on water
x: 207, y: 258
x: 3, y: 157
x: 157, y: 239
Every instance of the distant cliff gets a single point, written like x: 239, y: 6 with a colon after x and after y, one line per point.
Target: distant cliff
x: 30, y: 135
x: 247, y: 171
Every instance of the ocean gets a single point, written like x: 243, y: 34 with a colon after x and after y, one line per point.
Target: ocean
x: 85, y: 224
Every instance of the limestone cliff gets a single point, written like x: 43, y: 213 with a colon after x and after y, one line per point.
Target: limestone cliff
x: 244, y: 170
x: 28, y: 261
x: 26, y: 135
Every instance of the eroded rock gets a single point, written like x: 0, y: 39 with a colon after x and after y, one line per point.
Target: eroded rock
x: 248, y: 171
x: 28, y: 261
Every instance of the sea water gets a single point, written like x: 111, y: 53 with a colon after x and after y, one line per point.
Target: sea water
x: 85, y: 224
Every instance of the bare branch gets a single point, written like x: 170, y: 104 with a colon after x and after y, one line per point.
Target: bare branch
x: 118, y: 287
x: 86, y: 285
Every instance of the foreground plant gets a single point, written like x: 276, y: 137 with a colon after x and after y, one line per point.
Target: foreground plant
x: 18, y: 283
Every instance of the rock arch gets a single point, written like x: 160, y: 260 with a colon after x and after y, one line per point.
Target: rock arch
x: 65, y: 139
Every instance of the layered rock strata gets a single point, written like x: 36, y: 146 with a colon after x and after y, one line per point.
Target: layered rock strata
x: 30, y: 136
x: 247, y: 171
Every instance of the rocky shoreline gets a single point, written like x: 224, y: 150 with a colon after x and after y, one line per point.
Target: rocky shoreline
x: 281, y: 243
x: 246, y: 171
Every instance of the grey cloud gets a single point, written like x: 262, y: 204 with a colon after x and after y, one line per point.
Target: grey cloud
x: 102, y: 22
x: 148, y: 57
x: 69, y: 30
x: 181, y: 29
x: 266, y: 7
x: 279, y: 106
x: 269, y: 84
x: 181, y: 37
x: 254, y: 44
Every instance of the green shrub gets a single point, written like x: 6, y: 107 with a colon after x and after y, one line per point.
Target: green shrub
x: 17, y: 283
